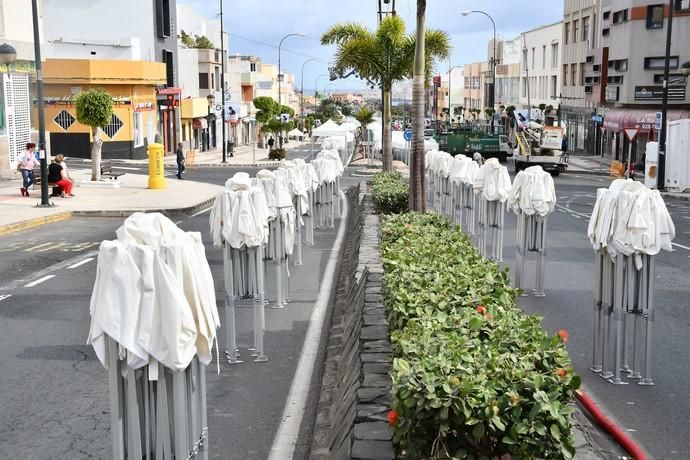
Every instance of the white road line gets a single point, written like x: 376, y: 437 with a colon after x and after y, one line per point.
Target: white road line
x: 39, y: 281
x: 201, y: 212
x: 286, y: 437
x: 574, y: 213
x: 5, y: 296
x: 79, y: 264
x: 50, y: 269
x: 685, y: 217
x: 681, y: 246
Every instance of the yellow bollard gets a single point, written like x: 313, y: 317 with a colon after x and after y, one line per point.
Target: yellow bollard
x: 156, y: 166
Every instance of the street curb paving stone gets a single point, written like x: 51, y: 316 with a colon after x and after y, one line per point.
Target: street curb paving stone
x: 35, y: 222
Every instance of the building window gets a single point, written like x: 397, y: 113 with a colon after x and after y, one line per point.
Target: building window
x: 543, y: 57
x: 533, y: 53
x: 203, y: 80
x: 163, y: 23
x: 576, y: 30
x: 658, y: 62
x: 621, y: 65
x: 113, y: 127
x: 168, y: 58
x: 585, y: 28
x: 252, y: 67
x: 681, y: 5
x: 138, y: 129
x: 620, y: 16
x: 674, y: 79
x: 573, y: 74
x: 655, y: 17
x: 615, y: 80
x: 605, y: 32
x: 554, y: 55
x: 64, y: 120
x: 565, y: 74
x: 554, y: 86
x: 213, y: 82
x: 607, y: 15
x: 567, y: 33
x: 582, y: 74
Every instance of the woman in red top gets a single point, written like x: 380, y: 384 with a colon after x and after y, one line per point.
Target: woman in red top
x: 58, y: 175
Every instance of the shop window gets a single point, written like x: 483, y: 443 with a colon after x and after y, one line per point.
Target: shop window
x: 64, y: 120
x: 138, y: 129
x: 112, y: 128
x: 655, y: 17
x: 658, y: 62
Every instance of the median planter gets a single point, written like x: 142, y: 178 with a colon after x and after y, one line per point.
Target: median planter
x: 473, y: 376
x: 390, y: 193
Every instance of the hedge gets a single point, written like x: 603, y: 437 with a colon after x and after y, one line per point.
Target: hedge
x: 473, y: 376
x: 390, y: 193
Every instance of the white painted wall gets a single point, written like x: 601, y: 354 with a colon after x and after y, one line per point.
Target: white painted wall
x: 542, y: 68
x: 125, y: 29
x: 16, y: 27
x: 195, y: 24
x: 188, y: 71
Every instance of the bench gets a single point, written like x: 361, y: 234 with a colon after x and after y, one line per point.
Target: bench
x: 107, y: 170
x: 37, y: 181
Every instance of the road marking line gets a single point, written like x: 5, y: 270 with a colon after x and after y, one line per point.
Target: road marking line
x: 685, y: 217
x: 288, y: 431
x: 201, y: 212
x: 681, y: 246
x: 50, y: 269
x: 39, y: 281
x: 39, y: 246
x: 79, y: 264
x: 58, y: 245
x: 5, y: 296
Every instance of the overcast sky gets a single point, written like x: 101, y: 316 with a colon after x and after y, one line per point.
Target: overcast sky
x: 256, y: 27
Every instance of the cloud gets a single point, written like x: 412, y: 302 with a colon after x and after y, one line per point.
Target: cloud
x: 256, y: 27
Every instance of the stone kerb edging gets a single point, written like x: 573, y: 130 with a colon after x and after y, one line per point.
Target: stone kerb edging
x: 356, y: 388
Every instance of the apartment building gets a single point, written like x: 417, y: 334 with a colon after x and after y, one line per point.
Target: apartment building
x: 624, y: 75
x: 581, y: 19
x: 541, y: 64
x: 475, y: 93
x: 508, y: 73
x: 135, y: 30
x: 16, y: 119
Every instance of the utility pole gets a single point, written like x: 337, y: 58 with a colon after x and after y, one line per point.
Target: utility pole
x: 661, y: 185
x: 222, y: 82
x: 41, y: 113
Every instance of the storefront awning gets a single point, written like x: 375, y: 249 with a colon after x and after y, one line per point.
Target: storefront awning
x: 644, y: 120
x: 200, y: 123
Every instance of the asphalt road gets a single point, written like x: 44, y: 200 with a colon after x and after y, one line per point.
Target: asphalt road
x: 53, y: 403
x: 655, y: 416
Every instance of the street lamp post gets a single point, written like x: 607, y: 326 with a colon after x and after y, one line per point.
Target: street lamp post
x: 493, y: 62
x: 327, y: 86
x: 222, y: 82
x: 280, y: 79
x: 41, y: 112
x: 661, y: 185
x: 301, y: 99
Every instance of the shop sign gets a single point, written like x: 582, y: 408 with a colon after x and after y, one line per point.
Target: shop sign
x: 144, y: 106
x: 68, y: 101
x: 655, y: 93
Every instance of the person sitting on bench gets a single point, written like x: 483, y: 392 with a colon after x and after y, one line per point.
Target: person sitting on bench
x: 58, y: 175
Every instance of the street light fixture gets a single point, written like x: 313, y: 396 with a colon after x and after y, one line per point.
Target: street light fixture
x: 280, y: 78
x: 492, y: 89
x: 301, y: 99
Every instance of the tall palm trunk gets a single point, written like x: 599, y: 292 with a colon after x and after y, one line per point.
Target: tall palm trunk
x: 417, y: 180
x: 387, y: 141
x: 96, y: 154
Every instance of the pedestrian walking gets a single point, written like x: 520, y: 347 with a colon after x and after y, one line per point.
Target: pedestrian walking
x: 180, y: 161
x: 26, y: 168
x: 58, y: 176
x: 271, y: 141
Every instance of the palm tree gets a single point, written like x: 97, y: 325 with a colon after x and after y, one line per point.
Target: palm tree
x: 364, y: 116
x: 382, y: 57
x: 417, y: 200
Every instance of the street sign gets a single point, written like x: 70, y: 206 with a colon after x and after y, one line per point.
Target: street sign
x: 597, y: 118
x: 631, y: 133
x: 657, y: 121
x: 407, y: 134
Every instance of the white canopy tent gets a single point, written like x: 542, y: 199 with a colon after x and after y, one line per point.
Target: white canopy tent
x: 296, y: 133
x: 340, y: 136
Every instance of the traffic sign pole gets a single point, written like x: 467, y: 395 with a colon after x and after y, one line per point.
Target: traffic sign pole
x: 631, y: 134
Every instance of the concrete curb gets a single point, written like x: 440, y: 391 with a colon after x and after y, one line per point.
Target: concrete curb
x: 35, y: 222
x: 38, y: 221
x: 588, y: 172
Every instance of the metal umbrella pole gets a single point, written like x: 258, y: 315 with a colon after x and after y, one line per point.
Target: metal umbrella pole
x: 231, y: 350
x: 649, y: 317
x: 298, y: 223
x: 598, y: 310
x: 259, y: 314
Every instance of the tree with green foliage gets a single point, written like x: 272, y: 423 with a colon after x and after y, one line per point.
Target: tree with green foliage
x: 95, y: 110
x: 196, y: 41
x: 489, y: 112
x: 364, y: 116
x: 382, y: 57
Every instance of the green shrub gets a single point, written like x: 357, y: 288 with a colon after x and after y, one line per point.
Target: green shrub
x: 390, y: 193
x: 276, y: 154
x: 473, y: 376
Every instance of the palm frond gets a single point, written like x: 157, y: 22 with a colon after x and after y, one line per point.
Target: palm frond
x: 341, y: 33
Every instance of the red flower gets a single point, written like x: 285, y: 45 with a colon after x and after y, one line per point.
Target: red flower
x: 480, y: 309
x: 392, y: 417
x: 561, y: 372
x: 563, y: 334
x: 488, y: 315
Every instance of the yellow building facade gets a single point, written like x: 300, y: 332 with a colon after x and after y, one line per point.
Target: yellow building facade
x: 132, y: 85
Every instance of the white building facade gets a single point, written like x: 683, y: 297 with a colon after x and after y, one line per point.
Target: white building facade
x: 540, y: 80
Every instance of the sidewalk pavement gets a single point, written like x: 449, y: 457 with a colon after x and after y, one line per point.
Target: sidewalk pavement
x: 19, y: 213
